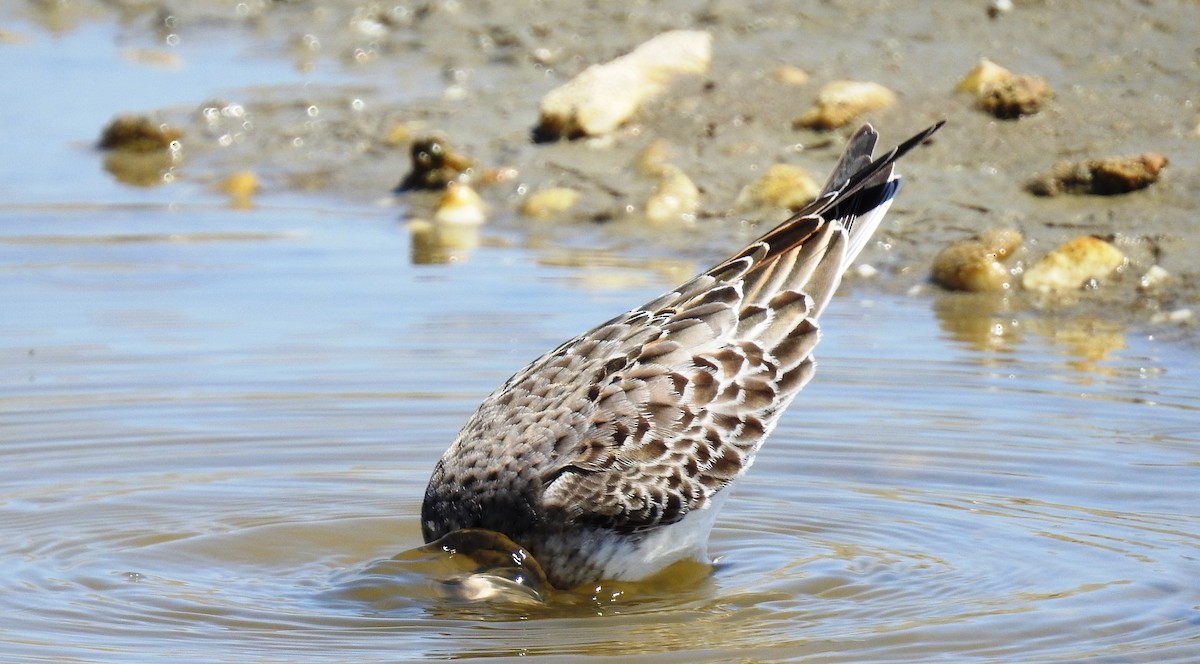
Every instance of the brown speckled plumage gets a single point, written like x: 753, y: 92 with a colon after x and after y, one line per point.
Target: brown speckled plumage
x: 607, y: 456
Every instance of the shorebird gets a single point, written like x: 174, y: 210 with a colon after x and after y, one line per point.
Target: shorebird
x: 609, y: 456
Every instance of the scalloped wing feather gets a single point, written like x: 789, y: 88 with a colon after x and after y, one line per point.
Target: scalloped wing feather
x: 643, y: 419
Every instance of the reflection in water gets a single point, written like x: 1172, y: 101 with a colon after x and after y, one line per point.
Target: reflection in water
x: 983, y: 321
x: 439, y: 242
x: 992, y: 322
x: 465, y: 566
x: 141, y: 169
x: 435, y: 242
x: 478, y: 566
x: 1089, y: 340
x: 604, y: 270
x: 496, y: 568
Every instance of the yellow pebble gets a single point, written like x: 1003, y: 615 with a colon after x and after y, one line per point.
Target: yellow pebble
x: 460, y: 204
x: 549, y: 202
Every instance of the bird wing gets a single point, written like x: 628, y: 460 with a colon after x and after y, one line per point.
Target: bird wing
x: 686, y: 387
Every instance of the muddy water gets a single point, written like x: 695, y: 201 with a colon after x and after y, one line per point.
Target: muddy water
x: 216, y: 426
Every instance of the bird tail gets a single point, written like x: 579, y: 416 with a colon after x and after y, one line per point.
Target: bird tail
x: 811, y: 250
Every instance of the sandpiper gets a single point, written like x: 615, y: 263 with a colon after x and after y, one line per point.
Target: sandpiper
x: 609, y: 456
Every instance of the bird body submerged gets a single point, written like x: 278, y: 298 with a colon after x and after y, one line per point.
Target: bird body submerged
x: 609, y: 456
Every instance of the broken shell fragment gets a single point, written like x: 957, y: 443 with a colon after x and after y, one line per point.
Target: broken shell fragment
x: 1076, y: 264
x: 675, y: 198
x: 840, y: 102
x: 602, y: 97
x: 1102, y: 177
x: 783, y: 186
x: 974, y: 265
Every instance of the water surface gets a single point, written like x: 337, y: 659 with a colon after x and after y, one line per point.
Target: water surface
x: 217, y: 423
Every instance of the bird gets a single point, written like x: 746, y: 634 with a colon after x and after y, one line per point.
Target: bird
x: 609, y: 457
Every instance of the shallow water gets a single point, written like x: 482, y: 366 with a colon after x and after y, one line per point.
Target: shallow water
x: 214, y: 437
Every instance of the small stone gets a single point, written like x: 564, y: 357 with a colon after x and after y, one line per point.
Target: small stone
x: 841, y: 102
x: 984, y: 74
x: 974, y: 265
x: 1101, y: 177
x: 1155, y: 277
x: 783, y: 186
x: 791, y: 75
x: 1004, y: 94
x: 460, y: 205
x: 651, y: 159
x: 1014, y: 97
x: 998, y: 7
x: 137, y: 133
x: 490, y: 177
x: 1081, y: 262
x: 434, y: 165
x: 865, y: 271
x: 675, y: 198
